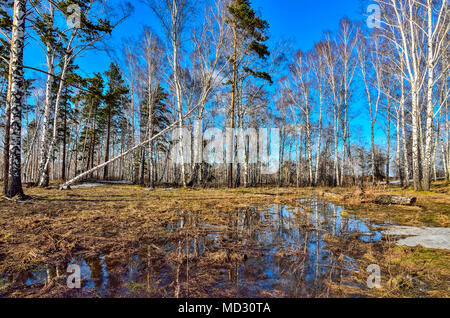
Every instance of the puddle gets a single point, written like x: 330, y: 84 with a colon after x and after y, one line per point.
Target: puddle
x: 260, y: 252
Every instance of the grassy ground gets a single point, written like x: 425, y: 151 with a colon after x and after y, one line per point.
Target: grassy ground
x: 431, y: 209
x: 57, y: 225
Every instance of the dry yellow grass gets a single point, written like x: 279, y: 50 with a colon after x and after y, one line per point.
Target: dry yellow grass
x: 56, y: 225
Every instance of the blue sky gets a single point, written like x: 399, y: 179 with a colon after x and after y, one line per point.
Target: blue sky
x: 306, y: 20
x: 303, y: 21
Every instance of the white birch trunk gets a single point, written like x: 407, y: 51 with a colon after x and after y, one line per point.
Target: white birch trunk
x: 17, y: 99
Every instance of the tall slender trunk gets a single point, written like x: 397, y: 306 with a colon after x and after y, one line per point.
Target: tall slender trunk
x: 179, y: 105
x: 63, y: 167
x: 309, y: 150
x: 319, y: 139
x: 233, y: 102
x: 108, y: 139
x: 405, y: 149
x: 398, y: 160
x: 444, y: 148
x: 142, y: 167
x: 388, y: 144
x: 133, y: 132
x: 150, y: 119
x: 435, y: 146
x: 7, y: 125
x: 299, y: 151
x: 17, y: 99
x: 426, y: 160
x: 415, y: 137
x: 246, y: 148
x: 43, y: 155
x: 44, y: 165
x: 336, y: 143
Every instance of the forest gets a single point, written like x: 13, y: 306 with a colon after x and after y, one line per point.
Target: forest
x: 221, y: 72
x: 208, y: 100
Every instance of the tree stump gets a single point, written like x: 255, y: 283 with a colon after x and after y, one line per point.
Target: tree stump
x: 395, y: 199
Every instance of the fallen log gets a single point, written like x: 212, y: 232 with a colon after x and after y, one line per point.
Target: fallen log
x: 66, y: 186
x: 395, y: 199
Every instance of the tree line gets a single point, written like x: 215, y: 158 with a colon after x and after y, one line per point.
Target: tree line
x: 212, y: 65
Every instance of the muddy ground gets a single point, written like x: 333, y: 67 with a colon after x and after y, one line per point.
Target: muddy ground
x: 116, y: 221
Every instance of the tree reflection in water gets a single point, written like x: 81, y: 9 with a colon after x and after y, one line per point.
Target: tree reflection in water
x: 255, y: 252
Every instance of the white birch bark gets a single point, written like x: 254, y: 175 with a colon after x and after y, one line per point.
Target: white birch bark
x: 17, y: 99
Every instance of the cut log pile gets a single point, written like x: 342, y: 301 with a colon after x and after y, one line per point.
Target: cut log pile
x: 395, y: 199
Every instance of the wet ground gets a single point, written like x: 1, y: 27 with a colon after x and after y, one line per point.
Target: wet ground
x: 275, y: 251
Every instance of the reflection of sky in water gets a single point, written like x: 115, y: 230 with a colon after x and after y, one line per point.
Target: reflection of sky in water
x: 284, y: 250
x: 306, y: 242
x: 343, y: 225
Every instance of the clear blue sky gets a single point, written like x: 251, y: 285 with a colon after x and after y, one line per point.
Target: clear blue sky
x: 306, y: 20
x: 301, y: 20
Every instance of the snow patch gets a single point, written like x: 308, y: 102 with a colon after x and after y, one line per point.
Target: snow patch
x: 428, y: 237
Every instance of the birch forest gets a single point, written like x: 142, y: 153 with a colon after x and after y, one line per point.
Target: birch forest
x: 212, y: 60
x: 205, y: 108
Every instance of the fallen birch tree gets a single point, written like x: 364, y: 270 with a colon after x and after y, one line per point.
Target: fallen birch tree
x: 67, y: 185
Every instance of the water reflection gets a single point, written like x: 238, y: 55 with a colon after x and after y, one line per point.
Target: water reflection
x: 270, y: 252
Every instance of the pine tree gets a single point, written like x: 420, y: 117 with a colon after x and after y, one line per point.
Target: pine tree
x: 153, y: 120
x: 74, y: 41
x: 249, y: 31
x: 114, y: 99
x: 92, y: 114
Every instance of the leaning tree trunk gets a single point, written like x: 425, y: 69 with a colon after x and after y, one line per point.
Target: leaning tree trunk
x: 133, y: 149
x: 17, y: 98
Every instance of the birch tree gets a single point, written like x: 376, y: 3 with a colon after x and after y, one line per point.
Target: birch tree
x: 173, y: 16
x: 77, y: 39
x: 438, y: 26
x: 17, y: 100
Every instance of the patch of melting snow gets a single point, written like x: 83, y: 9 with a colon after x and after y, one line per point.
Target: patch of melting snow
x: 88, y: 185
x: 99, y: 184
x: 428, y: 237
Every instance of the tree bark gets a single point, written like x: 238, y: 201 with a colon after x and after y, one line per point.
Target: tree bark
x: 44, y: 152
x: 17, y: 99
x: 108, y: 139
x: 233, y: 102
